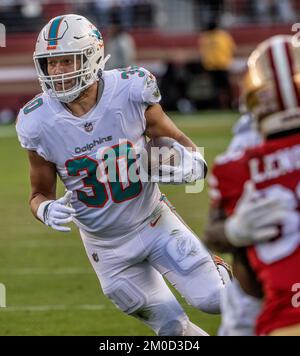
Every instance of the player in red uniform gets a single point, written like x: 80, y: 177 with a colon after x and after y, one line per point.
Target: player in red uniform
x: 266, y: 214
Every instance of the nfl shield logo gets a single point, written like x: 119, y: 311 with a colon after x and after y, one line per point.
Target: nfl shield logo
x: 95, y: 257
x: 88, y: 127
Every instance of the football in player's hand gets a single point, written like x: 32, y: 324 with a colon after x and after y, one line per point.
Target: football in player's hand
x: 159, y: 151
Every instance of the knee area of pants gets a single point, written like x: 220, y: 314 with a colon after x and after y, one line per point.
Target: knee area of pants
x: 209, y: 303
x: 173, y: 328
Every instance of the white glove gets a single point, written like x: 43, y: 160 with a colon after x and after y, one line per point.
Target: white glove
x: 192, y: 167
x: 54, y: 213
x: 256, y: 218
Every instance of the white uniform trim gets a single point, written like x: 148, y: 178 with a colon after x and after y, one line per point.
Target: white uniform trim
x: 283, y: 71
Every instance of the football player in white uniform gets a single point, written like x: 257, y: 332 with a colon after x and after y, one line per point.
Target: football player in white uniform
x: 131, y: 233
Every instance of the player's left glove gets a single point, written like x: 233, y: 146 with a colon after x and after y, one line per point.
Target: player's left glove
x: 192, y: 167
x: 256, y: 218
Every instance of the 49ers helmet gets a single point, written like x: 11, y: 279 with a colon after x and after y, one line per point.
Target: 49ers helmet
x: 271, y: 89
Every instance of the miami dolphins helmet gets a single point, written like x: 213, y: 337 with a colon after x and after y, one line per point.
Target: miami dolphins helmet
x: 70, y: 35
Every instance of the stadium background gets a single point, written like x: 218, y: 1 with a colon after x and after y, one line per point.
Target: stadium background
x: 51, y: 288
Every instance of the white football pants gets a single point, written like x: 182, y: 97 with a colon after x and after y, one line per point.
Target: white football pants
x: 130, y: 271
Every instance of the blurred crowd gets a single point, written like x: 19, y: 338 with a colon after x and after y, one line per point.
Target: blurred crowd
x: 204, y: 83
x: 187, y: 85
x: 28, y: 15
x: 245, y: 11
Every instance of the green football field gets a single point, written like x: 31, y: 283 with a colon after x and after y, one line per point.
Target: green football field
x: 51, y: 288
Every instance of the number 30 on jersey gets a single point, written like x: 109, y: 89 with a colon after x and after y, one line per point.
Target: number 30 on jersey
x: 119, y: 193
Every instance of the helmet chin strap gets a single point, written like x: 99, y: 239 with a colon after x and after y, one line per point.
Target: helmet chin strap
x: 100, y: 71
x: 69, y: 98
x: 106, y: 59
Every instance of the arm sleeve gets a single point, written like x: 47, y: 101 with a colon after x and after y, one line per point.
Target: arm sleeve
x: 226, y: 183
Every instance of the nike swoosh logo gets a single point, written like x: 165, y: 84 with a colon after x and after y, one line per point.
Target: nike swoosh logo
x: 153, y: 223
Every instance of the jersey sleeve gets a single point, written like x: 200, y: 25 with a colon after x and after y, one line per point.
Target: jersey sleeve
x: 144, y: 88
x: 226, y: 182
x: 28, y: 129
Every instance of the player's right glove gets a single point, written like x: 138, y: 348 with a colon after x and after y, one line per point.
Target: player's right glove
x: 193, y: 167
x: 256, y: 218
x: 55, y: 213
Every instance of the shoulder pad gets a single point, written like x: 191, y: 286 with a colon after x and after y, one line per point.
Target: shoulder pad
x: 228, y: 157
x: 144, y: 88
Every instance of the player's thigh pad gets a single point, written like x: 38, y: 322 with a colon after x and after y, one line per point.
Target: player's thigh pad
x: 184, y: 251
x: 173, y: 241
x: 182, y: 258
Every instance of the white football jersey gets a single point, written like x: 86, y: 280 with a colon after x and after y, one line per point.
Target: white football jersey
x: 245, y: 133
x: 103, y: 208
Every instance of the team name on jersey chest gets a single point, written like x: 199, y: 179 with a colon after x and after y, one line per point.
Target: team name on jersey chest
x: 91, y: 145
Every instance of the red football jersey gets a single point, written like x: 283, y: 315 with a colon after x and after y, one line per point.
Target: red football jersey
x: 274, y: 167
